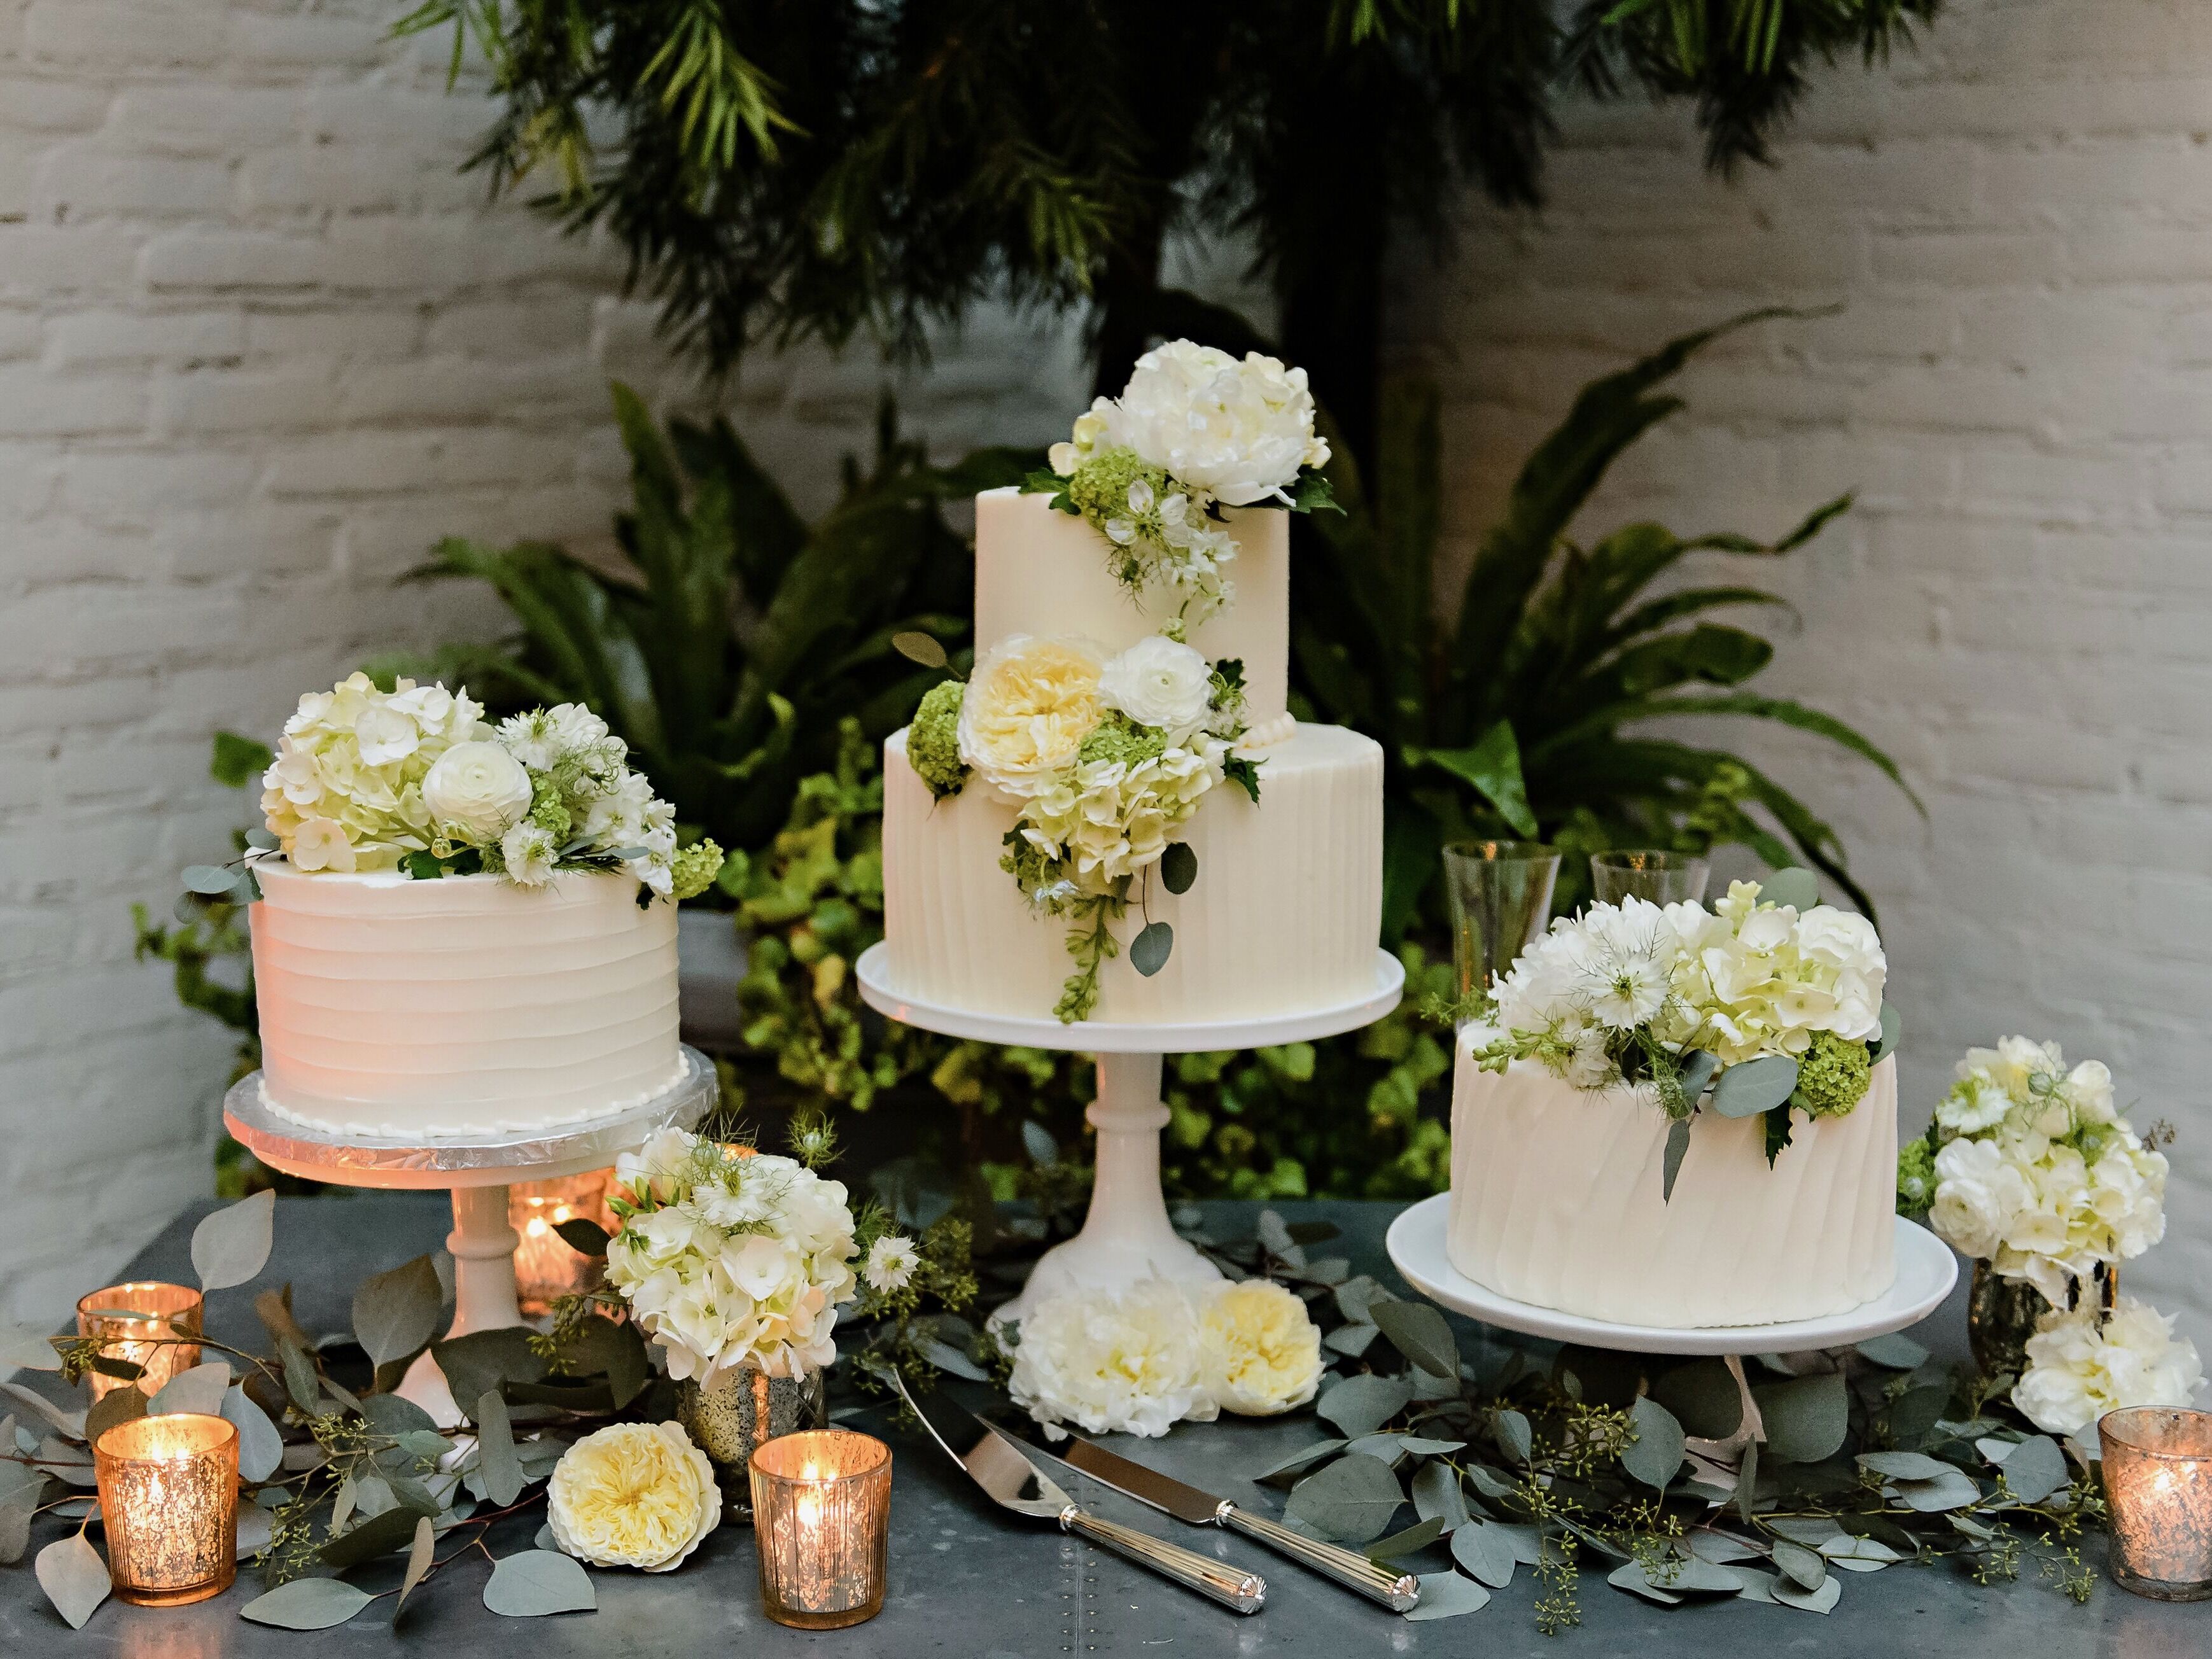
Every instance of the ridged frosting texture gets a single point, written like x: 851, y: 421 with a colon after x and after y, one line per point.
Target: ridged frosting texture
x: 394, y: 1007
x: 1042, y: 571
x: 1555, y: 1202
x: 1284, y: 916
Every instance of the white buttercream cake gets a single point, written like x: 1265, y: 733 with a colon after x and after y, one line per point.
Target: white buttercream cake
x: 406, y: 1009
x: 1556, y: 1201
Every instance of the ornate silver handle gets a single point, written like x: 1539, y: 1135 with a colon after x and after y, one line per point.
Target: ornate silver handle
x: 1397, y: 1591
x: 1234, y: 1588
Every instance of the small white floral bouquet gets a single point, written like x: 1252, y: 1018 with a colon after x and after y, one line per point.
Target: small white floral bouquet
x: 1194, y: 430
x: 415, y: 779
x: 1162, y: 1354
x: 727, y: 1257
x: 1104, y: 758
x: 2083, y: 1364
x: 1771, y: 1000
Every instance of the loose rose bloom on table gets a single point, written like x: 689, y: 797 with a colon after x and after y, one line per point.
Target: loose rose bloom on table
x: 2086, y: 1363
x: 1262, y: 1348
x: 632, y: 1495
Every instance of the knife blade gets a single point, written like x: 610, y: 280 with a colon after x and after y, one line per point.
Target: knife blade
x: 999, y: 1464
x: 1400, y: 1592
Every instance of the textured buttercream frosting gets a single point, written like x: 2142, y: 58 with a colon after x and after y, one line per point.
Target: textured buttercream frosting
x: 1284, y: 915
x: 1556, y: 1201
x: 397, y: 1008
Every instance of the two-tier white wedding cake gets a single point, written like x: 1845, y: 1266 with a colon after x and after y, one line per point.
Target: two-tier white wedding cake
x: 1121, y: 776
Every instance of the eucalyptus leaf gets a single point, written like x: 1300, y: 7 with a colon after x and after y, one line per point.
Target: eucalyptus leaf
x: 199, y: 1389
x: 1801, y: 1566
x: 1893, y: 1030
x: 1299, y: 1459
x: 1351, y: 1340
x: 1524, y: 1539
x: 54, y: 1416
x: 22, y: 1348
x: 260, y: 1446
x: 1670, y: 1166
x: 232, y: 1245
x: 1895, y: 1352
x: 1383, y: 1448
x: 1807, y: 1419
x: 1630, y: 1575
x: 1149, y: 951
x: 1418, y: 1331
x: 306, y: 1604
x: 1753, y: 1086
x: 67, y: 1462
x: 2035, y: 1469
x: 395, y: 1415
x: 1753, y: 1585
x: 1813, y: 1531
x: 1905, y: 1465
x: 1953, y: 1490
x: 1914, y: 1415
x: 395, y: 1313
x: 1719, y: 1548
x: 116, y: 1406
x: 208, y: 880
x: 1416, y: 1445
x: 502, y: 1469
x: 1845, y: 1550
x: 1411, y: 1541
x: 1437, y: 1496
x: 946, y: 1358
x: 1514, y: 1437
x: 1178, y: 867
x: 1656, y: 1454
x: 1350, y: 1501
x: 1822, y: 1599
x: 1361, y: 1405
x: 420, y: 1554
x: 256, y: 1529
x: 1485, y: 1550
x: 1447, y: 1595
x: 73, y: 1577
x: 1798, y: 888
x: 483, y: 1360
x: 15, y: 1516
x: 379, y: 1535
x: 1037, y: 1142
x: 918, y: 647
x: 1697, y: 1070
x: 536, y: 1582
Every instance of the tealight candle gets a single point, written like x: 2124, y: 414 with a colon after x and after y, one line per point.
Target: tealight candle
x: 2158, y: 1483
x: 821, y: 1504
x: 168, y: 1498
x: 546, y: 1266
x: 142, y: 1322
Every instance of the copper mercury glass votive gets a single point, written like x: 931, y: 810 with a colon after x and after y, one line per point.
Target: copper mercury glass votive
x: 2158, y: 1484
x: 822, y: 1507
x: 168, y: 1498
x: 546, y: 1266
x: 152, y: 1325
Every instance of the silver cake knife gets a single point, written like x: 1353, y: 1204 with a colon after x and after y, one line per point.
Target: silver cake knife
x: 1397, y: 1591
x: 997, y: 1464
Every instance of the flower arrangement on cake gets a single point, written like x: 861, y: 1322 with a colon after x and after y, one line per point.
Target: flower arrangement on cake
x: 2029, y: 1166
x: 1194, y: 430
x: 1770, y: 1003
x: 1104, y: 757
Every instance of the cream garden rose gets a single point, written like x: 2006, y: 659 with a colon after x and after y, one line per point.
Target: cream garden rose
x: 478, y: 789
x: 1262, y: 1348
x: 632, y: 1495
x: 1030, y: 704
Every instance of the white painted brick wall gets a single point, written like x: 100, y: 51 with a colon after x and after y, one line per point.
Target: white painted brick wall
x: 259, y: 346
x: 2017, y: 221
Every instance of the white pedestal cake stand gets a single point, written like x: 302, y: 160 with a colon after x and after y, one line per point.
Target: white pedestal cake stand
x: 1127, y: 1236
x: 1926, y: 1270
x: 477, y: 1171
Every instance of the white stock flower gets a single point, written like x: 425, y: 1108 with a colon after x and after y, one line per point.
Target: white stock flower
x: 1030, y: 704
x: 529, y: 851
x: 1239, y: 431
x: 1262, y: 1348
x: 1159, y: 682
x: 1132, y: 1364
x: 478, y: 788
x: 2080, y: 1365
x: 891, y: 1264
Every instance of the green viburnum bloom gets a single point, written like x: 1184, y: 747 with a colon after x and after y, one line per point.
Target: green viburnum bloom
x: 693, y: 870
x: 548, y: 813
x: 1832, y: 1075
x: 1118, y: 738
x: 1915, y: 1177
x: 932, y: 742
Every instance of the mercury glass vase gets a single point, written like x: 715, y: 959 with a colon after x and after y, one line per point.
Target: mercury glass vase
x: 730, y: 1420
x: 2001, y: 1314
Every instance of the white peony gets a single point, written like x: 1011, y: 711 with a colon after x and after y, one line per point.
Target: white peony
x: 1239, y: 432
x: 2080, y: 1365
x: 1159, y: 682
x: 1028, y: 706
x: 1132, y: 1364
x: 478, y: 789
x: 632, y: 1495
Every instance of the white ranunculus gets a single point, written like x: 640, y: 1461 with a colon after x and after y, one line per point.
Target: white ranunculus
x: 1028, y: 706
x: 478, y: 789
x: 2082, y: 1365
x: 1239, y: 431
x: 1132, y: 1364
x: 1159, y: 682
x: 1980, y: 1193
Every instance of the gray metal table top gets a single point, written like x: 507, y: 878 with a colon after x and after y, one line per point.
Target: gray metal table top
x: 966, y: 1582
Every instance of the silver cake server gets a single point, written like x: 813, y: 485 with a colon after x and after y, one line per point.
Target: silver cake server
x: 998, y: 1465
x: 1397, y: 1591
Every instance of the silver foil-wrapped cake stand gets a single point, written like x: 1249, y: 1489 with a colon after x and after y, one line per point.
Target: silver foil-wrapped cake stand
x: 1127, y: 1236
x: 477, y: 1170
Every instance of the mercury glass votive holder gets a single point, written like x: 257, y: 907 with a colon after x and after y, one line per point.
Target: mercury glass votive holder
x: 154, y: 1326
x: 546, y: 1266
x: 1657, y: 876
x: 168, y: 1498
x: 2158, y: 1484
x: 822, y: 1509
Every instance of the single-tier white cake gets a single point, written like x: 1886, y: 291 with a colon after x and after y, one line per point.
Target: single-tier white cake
x: 1556, y: 1201
x: 404, y: 1009
x: 1287, y: 905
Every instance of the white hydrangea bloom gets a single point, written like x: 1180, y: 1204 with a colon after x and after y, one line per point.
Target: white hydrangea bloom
x: 2084, y: 1364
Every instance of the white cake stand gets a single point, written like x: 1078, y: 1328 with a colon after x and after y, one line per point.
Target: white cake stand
x: 1127, y: 1236
x: 1926, y: 1270
x: 477, y: 1171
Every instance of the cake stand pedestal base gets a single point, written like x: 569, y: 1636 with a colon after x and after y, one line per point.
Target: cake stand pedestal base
x: 477, y: 1172
x: 1127, y: 1237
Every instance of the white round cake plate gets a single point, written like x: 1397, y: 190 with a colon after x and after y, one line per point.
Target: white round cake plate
x: 1926, y: 1270
x: 1127, y: 1236
x: 477, y: 1170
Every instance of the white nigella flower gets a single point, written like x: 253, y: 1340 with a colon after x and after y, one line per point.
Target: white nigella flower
x: 1140, y: 497
x: 529, y: 852
x: 891, y: 1263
